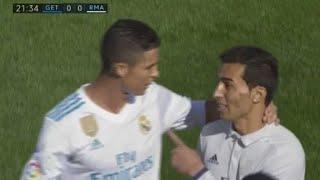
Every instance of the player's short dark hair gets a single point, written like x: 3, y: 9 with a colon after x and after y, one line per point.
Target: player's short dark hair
x: 124, y: 41
x: 261, y: 68
x: 259, y: 176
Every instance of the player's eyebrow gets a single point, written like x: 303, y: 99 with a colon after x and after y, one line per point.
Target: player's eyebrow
x: 225, y: 79
x: 153, y: 64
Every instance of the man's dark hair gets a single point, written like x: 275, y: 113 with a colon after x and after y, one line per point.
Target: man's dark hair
x: 259, y: 176
x: 124, y: 41
x: 261, y: 68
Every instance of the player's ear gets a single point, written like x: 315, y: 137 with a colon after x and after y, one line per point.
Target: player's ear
x: 258, y: 94
x: 120, y: 69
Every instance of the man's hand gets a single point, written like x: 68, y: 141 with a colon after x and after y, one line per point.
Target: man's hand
x: 271, y: 114
x: 184, y: 159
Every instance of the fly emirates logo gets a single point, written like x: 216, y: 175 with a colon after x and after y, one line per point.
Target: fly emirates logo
x: 129, y: 168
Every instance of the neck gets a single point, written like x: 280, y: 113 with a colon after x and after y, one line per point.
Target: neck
x: 251, y: 122
x: 107, y: 92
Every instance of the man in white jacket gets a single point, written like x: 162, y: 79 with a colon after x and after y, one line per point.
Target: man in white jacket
x: 241, y: 144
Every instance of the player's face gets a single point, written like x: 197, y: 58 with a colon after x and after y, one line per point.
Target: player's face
x: 140, y: 75
x: 232, y: 92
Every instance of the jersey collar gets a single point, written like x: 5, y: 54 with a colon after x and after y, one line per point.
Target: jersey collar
x: 246, y: 140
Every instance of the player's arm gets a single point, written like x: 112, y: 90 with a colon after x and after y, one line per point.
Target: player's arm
x: 181, y: 112
x: 47, y: 162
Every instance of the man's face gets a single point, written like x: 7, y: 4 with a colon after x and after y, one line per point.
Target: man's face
x: 232, y: 92
x: 141, y: 74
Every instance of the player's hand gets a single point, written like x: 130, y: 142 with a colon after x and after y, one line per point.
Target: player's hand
x: 271, y: 114
x: 184, y: 159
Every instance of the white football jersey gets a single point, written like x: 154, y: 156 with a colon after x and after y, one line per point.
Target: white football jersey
x: 79, y: 140
x: 272, y: 150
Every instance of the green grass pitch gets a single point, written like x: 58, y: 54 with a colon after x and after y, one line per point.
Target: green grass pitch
x: 45, y: 57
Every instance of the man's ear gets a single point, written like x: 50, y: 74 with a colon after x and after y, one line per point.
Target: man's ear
x: 258, y: 94
x: 120, y: 69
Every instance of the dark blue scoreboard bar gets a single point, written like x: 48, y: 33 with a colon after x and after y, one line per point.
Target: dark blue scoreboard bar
x: 60, y: 8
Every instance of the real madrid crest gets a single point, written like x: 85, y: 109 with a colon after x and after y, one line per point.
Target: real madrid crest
x: 144, y: 124
x: 89, y: 125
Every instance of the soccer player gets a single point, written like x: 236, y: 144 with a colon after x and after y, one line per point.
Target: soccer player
x: 112, y: 128
x: 240, y: 144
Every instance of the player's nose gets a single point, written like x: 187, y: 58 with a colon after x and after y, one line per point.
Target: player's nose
x: 155, y: 73
x: 219, y: 91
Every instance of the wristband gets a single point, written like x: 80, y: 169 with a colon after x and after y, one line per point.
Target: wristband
x: 199, y: 173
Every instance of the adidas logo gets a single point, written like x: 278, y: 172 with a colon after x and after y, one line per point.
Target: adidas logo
x: 213, y: 159
x: 96, y: 144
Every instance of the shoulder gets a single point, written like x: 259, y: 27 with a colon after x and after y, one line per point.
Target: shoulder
x: 216, y: 127
x: 285, y: 147
x: 213, y: 135
x: 69, y: 107
x: 158, y: 89
x: 284, y: 140
x: 285, y: 156
x: 160, y: 93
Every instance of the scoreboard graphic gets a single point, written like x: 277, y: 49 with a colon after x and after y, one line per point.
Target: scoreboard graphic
x: 60, y: 8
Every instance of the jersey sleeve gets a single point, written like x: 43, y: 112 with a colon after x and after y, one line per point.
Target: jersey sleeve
x: 47, y: 162
x: 177, y: 111
x: 192, y: 116
x: 197, y: 114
